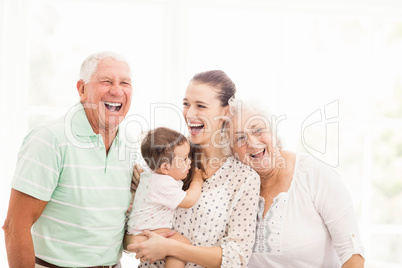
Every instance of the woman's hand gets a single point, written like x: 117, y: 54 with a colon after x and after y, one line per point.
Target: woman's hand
x: 356, y: 261
x: 153, y: 249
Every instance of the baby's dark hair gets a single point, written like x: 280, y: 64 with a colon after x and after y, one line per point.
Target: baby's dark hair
x: 158, y: 146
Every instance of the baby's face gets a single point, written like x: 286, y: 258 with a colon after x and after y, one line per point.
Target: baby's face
x: 181, y: 163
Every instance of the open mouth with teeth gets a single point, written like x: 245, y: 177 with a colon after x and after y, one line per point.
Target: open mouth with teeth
x: 258, y: 154
x: 195, y: 128
x: 113, y: 106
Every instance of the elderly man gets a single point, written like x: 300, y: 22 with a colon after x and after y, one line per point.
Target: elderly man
x: 71, y: 186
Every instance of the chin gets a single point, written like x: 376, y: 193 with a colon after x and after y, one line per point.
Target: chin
x: 196, y: 140
x: 257, y: 168
x: 259, y: 164
x: 112, y: 124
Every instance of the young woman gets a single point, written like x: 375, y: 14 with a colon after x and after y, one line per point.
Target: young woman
x: 221, y: 225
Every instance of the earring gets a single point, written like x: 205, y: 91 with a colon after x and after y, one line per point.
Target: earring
x: 222, y: 133
x: 225, y: 141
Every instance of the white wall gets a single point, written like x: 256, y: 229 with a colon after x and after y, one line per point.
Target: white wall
x: 298, y: 58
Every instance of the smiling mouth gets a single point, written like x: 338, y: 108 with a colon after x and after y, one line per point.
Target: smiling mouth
x: 258, y: 154
x: 195, y: 128
x: 113, y: 106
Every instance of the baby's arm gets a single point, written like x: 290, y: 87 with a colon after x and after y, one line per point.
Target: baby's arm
x: 194, y: 191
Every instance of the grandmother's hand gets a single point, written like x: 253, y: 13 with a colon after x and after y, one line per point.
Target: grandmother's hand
x: 153, y: 249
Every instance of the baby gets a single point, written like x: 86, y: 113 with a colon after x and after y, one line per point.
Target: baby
x: 160, y: 192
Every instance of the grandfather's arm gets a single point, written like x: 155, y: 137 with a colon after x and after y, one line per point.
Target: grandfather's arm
x: 23, y: 211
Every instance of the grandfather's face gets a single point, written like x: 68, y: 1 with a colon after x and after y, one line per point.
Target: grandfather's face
x: 107, y: 96
x: 251, y: 141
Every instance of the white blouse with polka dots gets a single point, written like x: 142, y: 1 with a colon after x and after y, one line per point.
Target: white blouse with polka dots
x: 224, y: 216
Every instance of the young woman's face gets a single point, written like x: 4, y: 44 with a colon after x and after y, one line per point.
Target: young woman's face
x: 203, y: 113
x: 251, y: 141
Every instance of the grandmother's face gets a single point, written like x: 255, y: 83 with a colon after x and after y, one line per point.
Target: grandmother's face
x: 251, y: 140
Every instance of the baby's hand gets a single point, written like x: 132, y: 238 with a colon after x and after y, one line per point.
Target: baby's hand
x: 199, y: 175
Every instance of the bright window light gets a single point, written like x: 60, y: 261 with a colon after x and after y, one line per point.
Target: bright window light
x: 330, y: 71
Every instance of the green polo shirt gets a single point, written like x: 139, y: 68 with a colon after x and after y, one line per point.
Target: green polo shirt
x: 88, y: 191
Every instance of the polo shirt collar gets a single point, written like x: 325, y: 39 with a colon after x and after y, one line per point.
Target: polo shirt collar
x: 81, y: 126
x: 79, y: 122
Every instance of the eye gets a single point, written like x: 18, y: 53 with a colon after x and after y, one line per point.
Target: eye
x: 186, y: 104
x: 240, y: 138
x: 125, y: 83
x: 201, y: 106
x: 107, y: 82
x: 258, y: 131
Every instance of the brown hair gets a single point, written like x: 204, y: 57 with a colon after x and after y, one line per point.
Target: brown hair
x: 196, y: 162
x: 219, y: 80
x: 158, y: 146
x: 226, y: 89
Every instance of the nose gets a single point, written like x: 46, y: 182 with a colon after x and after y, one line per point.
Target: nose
x: 116, y: 90
x: 252, y: 141
x: 188, y: 112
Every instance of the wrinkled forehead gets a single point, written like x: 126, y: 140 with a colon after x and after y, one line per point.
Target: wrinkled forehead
x: 109, y: 66
x: 245, y: 119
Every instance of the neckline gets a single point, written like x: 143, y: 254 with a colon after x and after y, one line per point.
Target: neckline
x: 297, y: 158
x: 274, y: 200
x: 229, y: 158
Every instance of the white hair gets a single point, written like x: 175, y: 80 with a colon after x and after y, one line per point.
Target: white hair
x: 90, y: 64
x: 258, y: 110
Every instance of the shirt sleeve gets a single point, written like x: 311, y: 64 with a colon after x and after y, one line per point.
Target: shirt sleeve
x: 38, y: 166
x: 237, y: 245
x: 166, y: 191
x: 333, y: 202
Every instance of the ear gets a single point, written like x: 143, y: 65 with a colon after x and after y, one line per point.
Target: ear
x: 225, y: 113
x: 164, y: 168
x: 81, y: 90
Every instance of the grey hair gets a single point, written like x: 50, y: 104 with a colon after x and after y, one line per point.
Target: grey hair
x: 256, y: 109
x: 90, y: 64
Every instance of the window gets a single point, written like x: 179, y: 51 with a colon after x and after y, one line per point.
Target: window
x: 333, y: 68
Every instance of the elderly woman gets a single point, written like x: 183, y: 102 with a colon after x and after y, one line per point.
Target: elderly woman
x: 306, y: 216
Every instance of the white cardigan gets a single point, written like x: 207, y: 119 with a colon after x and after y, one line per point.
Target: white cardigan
x: 311, y: 225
